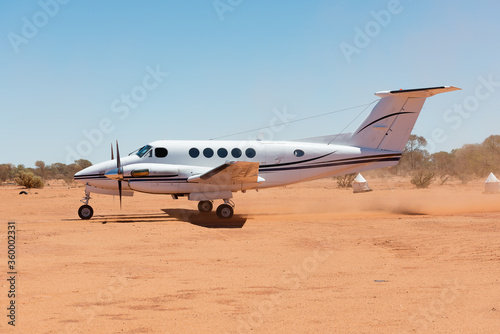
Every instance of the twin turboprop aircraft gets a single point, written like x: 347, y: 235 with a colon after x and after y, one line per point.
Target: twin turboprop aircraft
x: 208, y: 170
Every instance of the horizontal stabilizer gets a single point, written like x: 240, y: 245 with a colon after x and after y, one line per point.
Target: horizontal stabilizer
x: 419, y: 92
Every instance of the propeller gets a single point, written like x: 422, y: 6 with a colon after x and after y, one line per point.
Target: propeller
x: 120, y: 172
x: 117, y: 173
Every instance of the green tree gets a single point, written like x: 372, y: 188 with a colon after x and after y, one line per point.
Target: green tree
x: 83, y: 163
x: 345, y: 181
x: 6, y: 172
x: 443, y: 163
x: 41, y: 168
x: 422, y: 178
x: 29, y: 180
x: 57, y: 170
x: 491, y: 154
x: 414, y: 156
x: 469, y: 162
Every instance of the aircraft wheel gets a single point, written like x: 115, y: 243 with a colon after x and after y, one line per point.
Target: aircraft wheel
x: 85, y: 212
x: 225, y: 211
x: 205, y: 206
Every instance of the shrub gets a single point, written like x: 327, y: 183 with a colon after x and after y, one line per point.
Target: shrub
x: 28, y: 180
x: 345, y: 181
x: 422, y: 179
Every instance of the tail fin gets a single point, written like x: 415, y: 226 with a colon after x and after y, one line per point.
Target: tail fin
x: 391, y: 121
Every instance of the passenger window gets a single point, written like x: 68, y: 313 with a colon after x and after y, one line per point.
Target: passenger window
x: 298, y: 153
x: 161, y: 152
x: 222, y: 152
x: 208, y: 152
x: 250, y: 153
x: 194, y: 152
x: 236, y: 152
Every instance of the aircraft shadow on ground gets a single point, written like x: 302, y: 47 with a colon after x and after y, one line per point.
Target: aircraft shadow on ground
x: 208, y: 220
x: 125, y: 218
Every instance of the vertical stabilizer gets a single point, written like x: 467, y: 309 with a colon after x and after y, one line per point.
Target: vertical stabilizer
x: 391, y: 121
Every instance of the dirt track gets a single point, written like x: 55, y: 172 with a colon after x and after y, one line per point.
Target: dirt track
x: 306, y: 258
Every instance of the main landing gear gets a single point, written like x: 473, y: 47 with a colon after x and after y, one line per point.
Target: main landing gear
x: 224, y: 211
x: 85, y: 211
x: 205, y: 206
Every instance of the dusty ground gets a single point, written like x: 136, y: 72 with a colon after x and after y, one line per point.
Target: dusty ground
x: 305, y: 258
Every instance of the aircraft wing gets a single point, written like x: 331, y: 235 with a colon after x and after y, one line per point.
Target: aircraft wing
x: 229, y: 173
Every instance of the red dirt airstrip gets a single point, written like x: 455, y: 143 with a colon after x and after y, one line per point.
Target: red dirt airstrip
x: 308, y: 258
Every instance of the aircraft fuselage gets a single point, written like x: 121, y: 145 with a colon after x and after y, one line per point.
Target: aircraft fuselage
x: 280, y: 163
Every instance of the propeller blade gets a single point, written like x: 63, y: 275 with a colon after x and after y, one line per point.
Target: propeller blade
x: 120, y: 171
x: 120, y: 192
x: 112, y: 156
x: 118, y: 164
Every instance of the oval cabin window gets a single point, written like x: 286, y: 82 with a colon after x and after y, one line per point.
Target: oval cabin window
x: 298, y: 153
x: 236, y: 152
x: 194, y: 152
x: 208, y: 152
x: 250, y: 153
x: 222, y: 152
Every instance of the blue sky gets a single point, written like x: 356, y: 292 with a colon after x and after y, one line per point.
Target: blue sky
x: 138, y: 71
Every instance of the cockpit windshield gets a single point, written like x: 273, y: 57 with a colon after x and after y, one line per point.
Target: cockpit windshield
x: 143, y: 150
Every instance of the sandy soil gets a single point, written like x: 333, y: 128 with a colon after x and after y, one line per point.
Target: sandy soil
x: 308, y: 258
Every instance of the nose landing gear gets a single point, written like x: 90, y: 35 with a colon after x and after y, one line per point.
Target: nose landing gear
x: 85, y: 211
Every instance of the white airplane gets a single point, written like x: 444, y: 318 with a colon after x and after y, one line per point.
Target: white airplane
x: 208, y: 170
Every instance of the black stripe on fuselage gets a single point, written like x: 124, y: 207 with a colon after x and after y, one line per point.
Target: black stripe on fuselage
x: 336, y: 163
x: 386, y: 116
x: 296, y: 162
x: 101, y: 176
x: 158, y: 179
x: 339, y: 160
x: 89, y: 176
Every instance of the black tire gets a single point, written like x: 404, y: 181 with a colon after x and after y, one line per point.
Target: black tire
x: 205, y: 206
x: 85, y: 212
x: 225, y: 211
x: 23, y: 193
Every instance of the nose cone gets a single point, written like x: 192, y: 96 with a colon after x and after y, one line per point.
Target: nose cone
x: 85, y: 174
x: 81, y: 173
x: 93, y: 172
